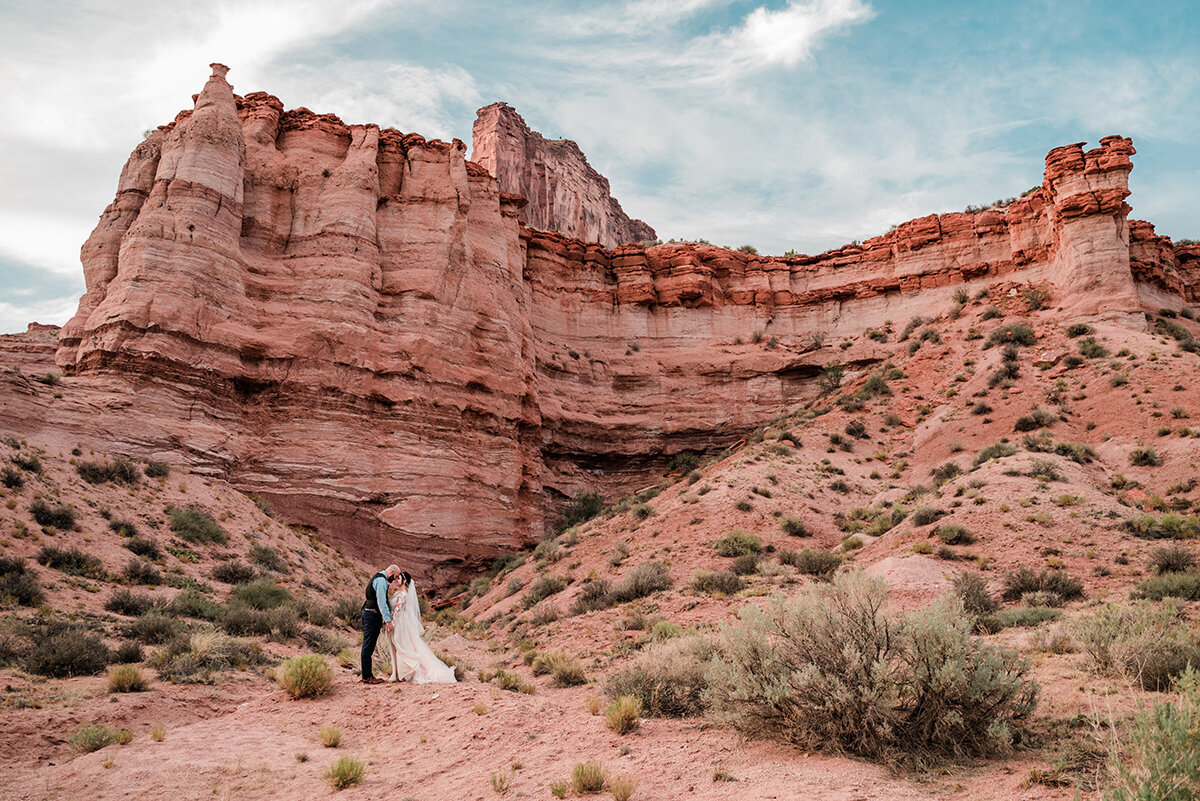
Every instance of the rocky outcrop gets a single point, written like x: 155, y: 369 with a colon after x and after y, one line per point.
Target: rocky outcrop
x: 354, y: 323
x: 564, y: 193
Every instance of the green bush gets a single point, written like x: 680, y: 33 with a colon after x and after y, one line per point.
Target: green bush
x: 812, y: 562
x: 566, y: 669
x: 945, y: 472
x: 92, y: 737
x: 830, y: 671
x: 121, y: 471
x: 973, y: 591
x: 954, y: 534
x: 1018, y: 617
x: 1016, y: 333
x: 795, y: 526
x: 1076, y: 451
x: 1173, y: 558
x: 1092, y: 349
x: 72, y: 561
x: 1170, y: 585
x: 583, y: 507
x: 17, y: 584
x: 246, y: 621
x: 1148, y: 642
x: 738, y: 543
x: 644, y: 579
x: 262, y: 593
x: 998, y: 450
x: 722, y: 582
x: 61, y: 517
x: 1078, y: 329
x: 924, y: 515
x: 1038, y: 418
x: 196, y: 525
x: 126, y: 679
x: 1161, y: 764
x: 139, y: 571
x: 152, y: 628
x: 143, y: 547
x: 1022, y: 580
x: 345, y: 772
x: 542, y: 589
x: 194, y: 604
x: 234, y: 571
x: 63, y: 652
x: 267, y: 558
x: 667, y: 677
x: 1145, y: 457
x: 124, y: 602
x: 1168, y: 526
x: 305, y: 676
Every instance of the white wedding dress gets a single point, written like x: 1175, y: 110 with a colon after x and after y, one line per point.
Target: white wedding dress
x: 412, y: 658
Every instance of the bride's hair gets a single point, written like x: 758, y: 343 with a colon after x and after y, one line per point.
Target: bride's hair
x: 405, y: 577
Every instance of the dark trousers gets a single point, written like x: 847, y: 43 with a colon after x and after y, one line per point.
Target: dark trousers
x: 372, y: 624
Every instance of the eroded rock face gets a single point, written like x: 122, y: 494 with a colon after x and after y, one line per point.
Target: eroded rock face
x: 354, y: 323
x: 564, y: 193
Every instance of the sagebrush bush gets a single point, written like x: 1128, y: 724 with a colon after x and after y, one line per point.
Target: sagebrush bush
x: 972, y: 590
x: 72, y: 561
x: 126, y: 679
x: 1018, y: 617
x: 262, y: 593
x: 795, y: 526
x: 61, y: 517
x: 195, y: 524
x: 1016, y: 333
x: 543, y: 588
x: 745, y: 565
x: 954, y: 534
x: 624, y: 715
x: 139, y: 571
x: 738, y: 543
x: 143, y: 547
x: 1022, y: 580
x: 812, y: 561
x: 121, y: 471
x: 565, y: 669
x: 829, y: 670
x: 234, y: 571
x: 125, y: 602
x: 644, y: 579
x: 583, y: 507
x: 17, y: 584
x: 998, y: 450
x: 128, y: 653
x: 721, y: 582
x: 345, y: 772
x: 1173, y: 558
x: 155, y: 469
x: 924, y: 515
x: 1148, y: 642
x: 667, y: 677
x: 63, y: 652
x: 305, y: 676
x: 1168, y: 526
x: 593, y: 595
x: 193, y: 603
x: 1161, y: 763
x: 152, y: 628
x: 267, y: 558
x: 1170, y: 585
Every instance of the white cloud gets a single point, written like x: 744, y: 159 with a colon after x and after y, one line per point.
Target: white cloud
x: 783, y: 37
x: 16, y: 317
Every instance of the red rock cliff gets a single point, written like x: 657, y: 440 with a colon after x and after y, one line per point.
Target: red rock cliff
x: 565, y: 194
x: 354, y: 323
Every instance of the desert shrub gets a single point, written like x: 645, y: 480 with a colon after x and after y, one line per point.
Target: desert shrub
x: 29, y: 462
x: 72, y: 561
x: 583, y: 507
x: 245, y: 621
x: 17, y: 584
x: 1162, y: 761
x: 829, y: 670
x: 139, y: 571
x: 92, y: 737
x: 998, y: 450
x: 191, y: 603
x: 566, y: 669
x: 643, y: 580
x: 856, y: 428
x: 285, y: 622
x: 1017, y: 617
x: 62, y: 517
x: 812, y: 561
x: 1145, y: 641
x: 329, y: 735
x: 667, y: 677
x: 62, y: 652
x: 974, y: 594
x: 1038, y: 418
x: 1172, y: 558
x: 954, y: 534
x: 1042, y: 598
x: 1145, y: 457
x: 144, y: 547
x: 321, y: 641
x: 684, y: 462
x: 262, y: 593
x: 128, y: 653
x: 233, y: 571
x: 722, y: 582
x: 547, y: 551
x: 12, y: 478
x: 1022, y: 580
x: 588, y: 777
x: 594, y: 594
x: 945, y: 472
x: 121, y: 471
x: 1089, y: 347
x: 745, y: 565
x: 345, y: 772
x: 924, y: 515
x: 126, y: 679
x: 305, y: 676
x: 1016, y: 333
x: 738, y: 543
x: 1170, y: 585
x: 513, y: 683
x: 125, y: 602
x: 1044, y: 470
x: 624, y: 715
x: 1167, y: 526
x: 1079, y: 329
x: 196, y: 525
x: 830, y: 377
x: 152, y: 628
x: 642, y: 510
x: 1075, y: 451
x: 267, y: 558
x: 155, y: 469
x: 542, y: 589
x: 875, y: 385
x: 794, y: 526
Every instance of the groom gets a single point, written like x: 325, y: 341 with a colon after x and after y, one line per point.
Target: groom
x: 375, y: 615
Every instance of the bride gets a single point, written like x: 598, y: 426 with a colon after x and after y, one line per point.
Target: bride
x: 412, y: 659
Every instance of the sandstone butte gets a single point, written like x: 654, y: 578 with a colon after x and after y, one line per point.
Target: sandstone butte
x: 356, y: 323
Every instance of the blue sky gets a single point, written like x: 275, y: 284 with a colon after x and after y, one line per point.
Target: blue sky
x: 786, y: 125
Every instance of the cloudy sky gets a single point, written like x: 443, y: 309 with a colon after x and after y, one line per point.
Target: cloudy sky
x: 786, y: 124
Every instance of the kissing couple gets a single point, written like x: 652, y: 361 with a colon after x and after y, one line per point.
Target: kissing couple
x: 399, y: 612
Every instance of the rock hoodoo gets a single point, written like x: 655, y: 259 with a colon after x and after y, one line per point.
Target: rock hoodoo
x: 564, y: 193
x: 354, y: 323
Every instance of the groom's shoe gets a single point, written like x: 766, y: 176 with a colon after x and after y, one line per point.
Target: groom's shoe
x: 373, y: 680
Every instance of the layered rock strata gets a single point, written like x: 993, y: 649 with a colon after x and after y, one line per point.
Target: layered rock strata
x: 354, y: 323
x: 565, y: 193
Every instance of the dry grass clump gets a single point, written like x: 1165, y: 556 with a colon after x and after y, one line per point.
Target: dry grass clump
x: 94, y: 736
x: 330, y: 735
x: 588, y: 777
x: 1149, y: 642
x: 1173, y: 558
x: 812, y: 562
x: 196, y: 525
x: 345, y: 772
x: 645, y: 579
x: 305, y: 676
x: 622, y: 787
x: 668, y: 678
x: 624, y: 715
x: 829, y: 670
x: 126, y: 679
x: 566, y: 670
x: 721, y: 582
x: 738, y: 543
